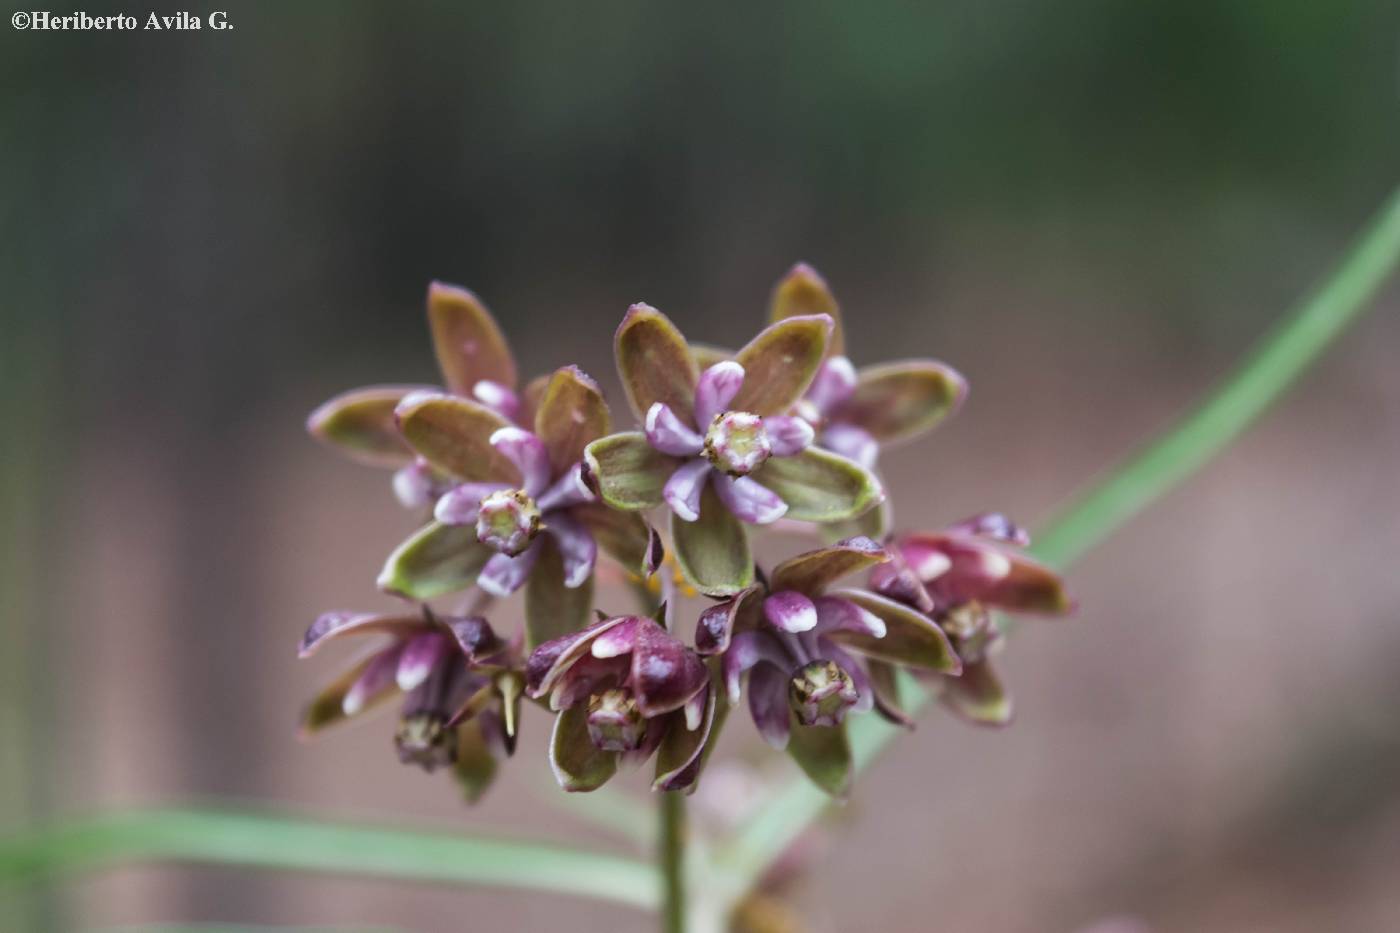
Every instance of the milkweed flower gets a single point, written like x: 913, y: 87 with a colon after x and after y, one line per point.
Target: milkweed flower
x: 720, y: 448
x: 624, y: 689
x: 461, y: 687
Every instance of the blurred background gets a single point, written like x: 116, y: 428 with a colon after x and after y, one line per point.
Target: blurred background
x: 1089, y: 207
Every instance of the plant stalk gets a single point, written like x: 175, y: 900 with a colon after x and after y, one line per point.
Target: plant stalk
x: 672, y: 861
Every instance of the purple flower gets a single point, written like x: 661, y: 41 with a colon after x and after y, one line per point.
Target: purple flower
x: 461, y: 688
x: 624, y: 689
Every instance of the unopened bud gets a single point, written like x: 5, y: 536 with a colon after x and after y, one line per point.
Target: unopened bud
x: 425, y: 740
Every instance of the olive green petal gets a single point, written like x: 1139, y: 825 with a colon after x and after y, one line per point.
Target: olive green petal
x: 438, y: 559
x: 804, y: 291
x: 468, y: 344
x: 571, y: 413
x: 820, y: 486
x: 551, y: 608
x: 713, y: 551
x: 578, y: 764
x: 897, y: 402
x: 654, y: 362
x: 626, y: 471
x: 824, y: 755
x: 779, y: 364
x: 360, y: 423
x: 454, y: 434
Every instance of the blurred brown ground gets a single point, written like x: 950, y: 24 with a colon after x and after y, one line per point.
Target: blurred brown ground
x: 209, y: 237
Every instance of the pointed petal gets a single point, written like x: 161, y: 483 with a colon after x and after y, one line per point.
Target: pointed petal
x: 504, y: 574
x: 683, y: 490
x: 780, y: 362
x: 461, y: 504
x: 474, y: 636
x: 833, y: 385
x: 328, y: 707
x: 624, y: 536
x: 788, y: 434
x: 331, y: 625
x: 578, y: 764
x: 475, y: 766
x: 376, y: 681
x: 790, y: 611
x: 884, y: 684
x: 420, y: 655
x: 1031, y: 587
x: 548, y: 662
x: 570, y: 415
x: 899, y: 401
x: 911, y: 638
x: 669, y: 434
x: 360, y: 423
x: 685, y: 747
x: 468, y: 344
x: 552, y: 608
x: 618, y: 640
x: 768, y: 704
x: 746, y: 650
x: 873, y: 524
x: 665, y: 673
x: 654, y: 362
x: 438, y: 559
x: 804, y: 291
x: 749, y: 500
x: 819, y: 486
x: 835, y: 614
x: 718, y: 623
x: 853, y: 443
x: 569, y: 490
x: 627, y: 472
x: 576, y: 545
x: 824, y: 754
x: 528, y: 454
x: 497, y: 397
x: 454, y: 434
x: 978, y: 695
x: 716, y: 388
x: 713, y: 551
x: 814, y: 571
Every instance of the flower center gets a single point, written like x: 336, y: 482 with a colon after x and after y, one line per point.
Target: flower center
x: 965, y: 620
x: 508, y: 521
x: 821, y: 693
x: 423, y: 739
x: 737, y: 443
x: 615, y: 724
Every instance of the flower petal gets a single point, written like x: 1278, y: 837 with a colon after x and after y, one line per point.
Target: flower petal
x: 624, y: 536
x: 505, y: 573
x: 576, y: 545
x: 718, y: 623
x: 837, y: 614
x: 713, y: 551
x: 749, y: 500
x: 578, y: 764
x: 716, y: 388
x: 570, y: 415
x: 683, y: 490
x: 654, y: 362
x: 884, y: 685
x: 780, y: 362
x: 814, y: 571
x: 528, y: 454
x: 665, y: 673
x: 683, y: 750
x: 768, y: 704
x: 993, y: 525
x: 804, y: 291
x: 360, y: 423
x: 438, y: 559
x: 748, y: 649
x: 420, y: 655
x: 461, y: 504
x: 618, y: 640
x: 415, y: 485
x: 474, y: 636
x: 552, y: 607
x: 853, y: 443
x: 569, y: 490
x: 669, y: 434
x: 500, y: 399
x: 1030, y: 587
x: 978, y: 695
x: 468, y: 344
x: 330, y: 625
x: 790, y: 611
x: 376, y: 680
x: 627, y: 472
x: 899, y: 401
x: 819, y: 486
x: 531, y: 397
x: 475, y: 766
x: 328, y: 707
x: 824, y: 754
x: 911, y: 638
x: 833, y: 385
x: 788, y: 435
x: 454, y: 434
x: 550, y: 660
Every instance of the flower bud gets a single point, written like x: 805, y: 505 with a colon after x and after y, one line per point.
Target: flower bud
x: 615, y: 724
x: 821, y: 692
x: 737, y: 443
x: 508, y: 521
x: 425, y: 740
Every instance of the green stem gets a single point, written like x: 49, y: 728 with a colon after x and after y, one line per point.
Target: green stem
x: 1260, y: 380
x: 671, y: 860
x: 308, y: 845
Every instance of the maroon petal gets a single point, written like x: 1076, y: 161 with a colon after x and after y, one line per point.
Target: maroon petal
x: 993, y: 525
x: 790, y: 611
x: 376, y: 680
x: 504, y: 573
x: 813, y: 571
x: 474, y: 636
x: 746, y: 650
x: 718, y: 623
x: 529, y: 456
x: 835, y: 382
x: 618, y: 640
x: 683, y: 490
x: 334, y: 624
x: 685, y: 746
x: 420, y: 655
x: 837, y: 614
x: 716, y: 389
x: 669, y: 434
x: 768, y: 703
x: 665, y: 673
x: 549, y: 661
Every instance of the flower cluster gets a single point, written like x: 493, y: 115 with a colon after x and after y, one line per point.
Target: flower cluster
x: 528, y: 488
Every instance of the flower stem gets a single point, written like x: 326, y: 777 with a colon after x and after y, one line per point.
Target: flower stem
x: 672, y: 861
